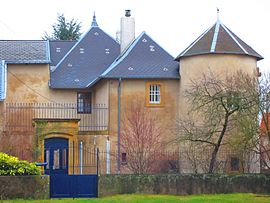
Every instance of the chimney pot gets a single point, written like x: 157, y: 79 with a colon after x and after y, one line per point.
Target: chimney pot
x: 128, y: 14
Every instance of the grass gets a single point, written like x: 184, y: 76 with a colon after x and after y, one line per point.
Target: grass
x: 137, y: 198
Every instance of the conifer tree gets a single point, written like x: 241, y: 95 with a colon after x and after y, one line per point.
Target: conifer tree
x: 64, y: 29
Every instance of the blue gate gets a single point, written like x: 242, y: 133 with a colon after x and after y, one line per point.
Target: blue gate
x: 81, y: 180
x: 63, y: 185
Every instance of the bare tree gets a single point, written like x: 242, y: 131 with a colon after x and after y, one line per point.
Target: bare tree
x: 255, y: 139
x: 141, y: 138
x: 216, y: 105
x: 195, y: 155
x: 262, y: 143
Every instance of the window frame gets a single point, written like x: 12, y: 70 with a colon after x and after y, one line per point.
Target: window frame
x: 151, y: 93
x: 123, y: 158
x: 84, y: 104
x: 234, y: 164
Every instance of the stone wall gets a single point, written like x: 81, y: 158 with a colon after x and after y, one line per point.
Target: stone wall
x: 37, y: 187
x: 26, y: 187
x: 183, y: 184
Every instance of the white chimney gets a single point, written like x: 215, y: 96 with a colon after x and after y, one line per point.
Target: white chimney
x: 117, y: 36
x: 127, y: 32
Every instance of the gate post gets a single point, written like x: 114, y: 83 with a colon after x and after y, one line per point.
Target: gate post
x: 97, y: 160
x: 108, y: 158
x: 81, y: 157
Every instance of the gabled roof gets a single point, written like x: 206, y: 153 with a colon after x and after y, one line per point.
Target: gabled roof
x: 24, y: 51
x: 218, y: 39
x: 86, y: 60
x: 58, y: 49
x: 143, y: 59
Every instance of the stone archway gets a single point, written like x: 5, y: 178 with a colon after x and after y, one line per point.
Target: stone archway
x: 56, y: 128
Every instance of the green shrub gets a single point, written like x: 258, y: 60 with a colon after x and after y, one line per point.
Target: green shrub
x: 12, y: 166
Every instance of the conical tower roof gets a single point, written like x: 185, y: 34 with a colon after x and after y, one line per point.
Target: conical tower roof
x: 218, y: 39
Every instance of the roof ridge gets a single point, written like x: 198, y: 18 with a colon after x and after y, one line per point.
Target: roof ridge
x: 218, y: 39
x: 159, y: 45
x: 234, y: 39
x: 55, y: 40
x: 215, y: 37
x: 123, y: 56
x: 192, y: 44
x: 74, y: 46
x: 78, y: 42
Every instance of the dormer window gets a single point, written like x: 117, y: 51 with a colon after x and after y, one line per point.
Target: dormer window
x: 152, y: 48
x: 165, y: 69
x: 107, y: 51
x: 81, y: 50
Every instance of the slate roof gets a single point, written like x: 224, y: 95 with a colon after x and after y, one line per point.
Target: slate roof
x: 58, y: 49
x: 218, y: 39
x: 143, y: 59
x: 24, y: 51
x: 86, y: 60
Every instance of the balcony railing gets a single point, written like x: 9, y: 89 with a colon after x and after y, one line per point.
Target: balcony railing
x: 19, y: 116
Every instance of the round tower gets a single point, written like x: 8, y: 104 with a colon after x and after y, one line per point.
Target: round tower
x: 219, y: 51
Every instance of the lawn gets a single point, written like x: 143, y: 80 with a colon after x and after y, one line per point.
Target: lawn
x: 135, y: 198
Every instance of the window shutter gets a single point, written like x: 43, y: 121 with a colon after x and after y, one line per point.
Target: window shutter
x: 3, y: 80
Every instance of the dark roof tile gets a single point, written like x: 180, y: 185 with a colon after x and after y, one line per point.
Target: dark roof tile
x: 143, y: 59
x: 24, y: 51
x: 225, y: 43
x: 203, y: 44
x: 218, y: 39
x: 85, y: 61
x: 58, y: 49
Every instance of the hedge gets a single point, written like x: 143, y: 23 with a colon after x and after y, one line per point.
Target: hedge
x: 12, y: 166
x: 183, y: 184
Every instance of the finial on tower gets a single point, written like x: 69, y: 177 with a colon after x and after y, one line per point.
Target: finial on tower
x: 94, y: 21
x: 217, y: 14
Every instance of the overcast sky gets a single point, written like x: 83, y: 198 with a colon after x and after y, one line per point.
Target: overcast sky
x: 173, y: 24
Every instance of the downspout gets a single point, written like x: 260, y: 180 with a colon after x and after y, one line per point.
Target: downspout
x: 119, y: 124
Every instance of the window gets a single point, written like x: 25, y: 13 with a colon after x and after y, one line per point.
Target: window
x: 234, y: 164
x: 56, y: 162
x: 47, y: 159
x: 84, y: 102
x: 124, y: 158
x: 154, y: 91
x: 154, y: 94
x: 64, y: 158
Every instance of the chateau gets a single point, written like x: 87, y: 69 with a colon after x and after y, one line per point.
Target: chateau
x: 78, y: 93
